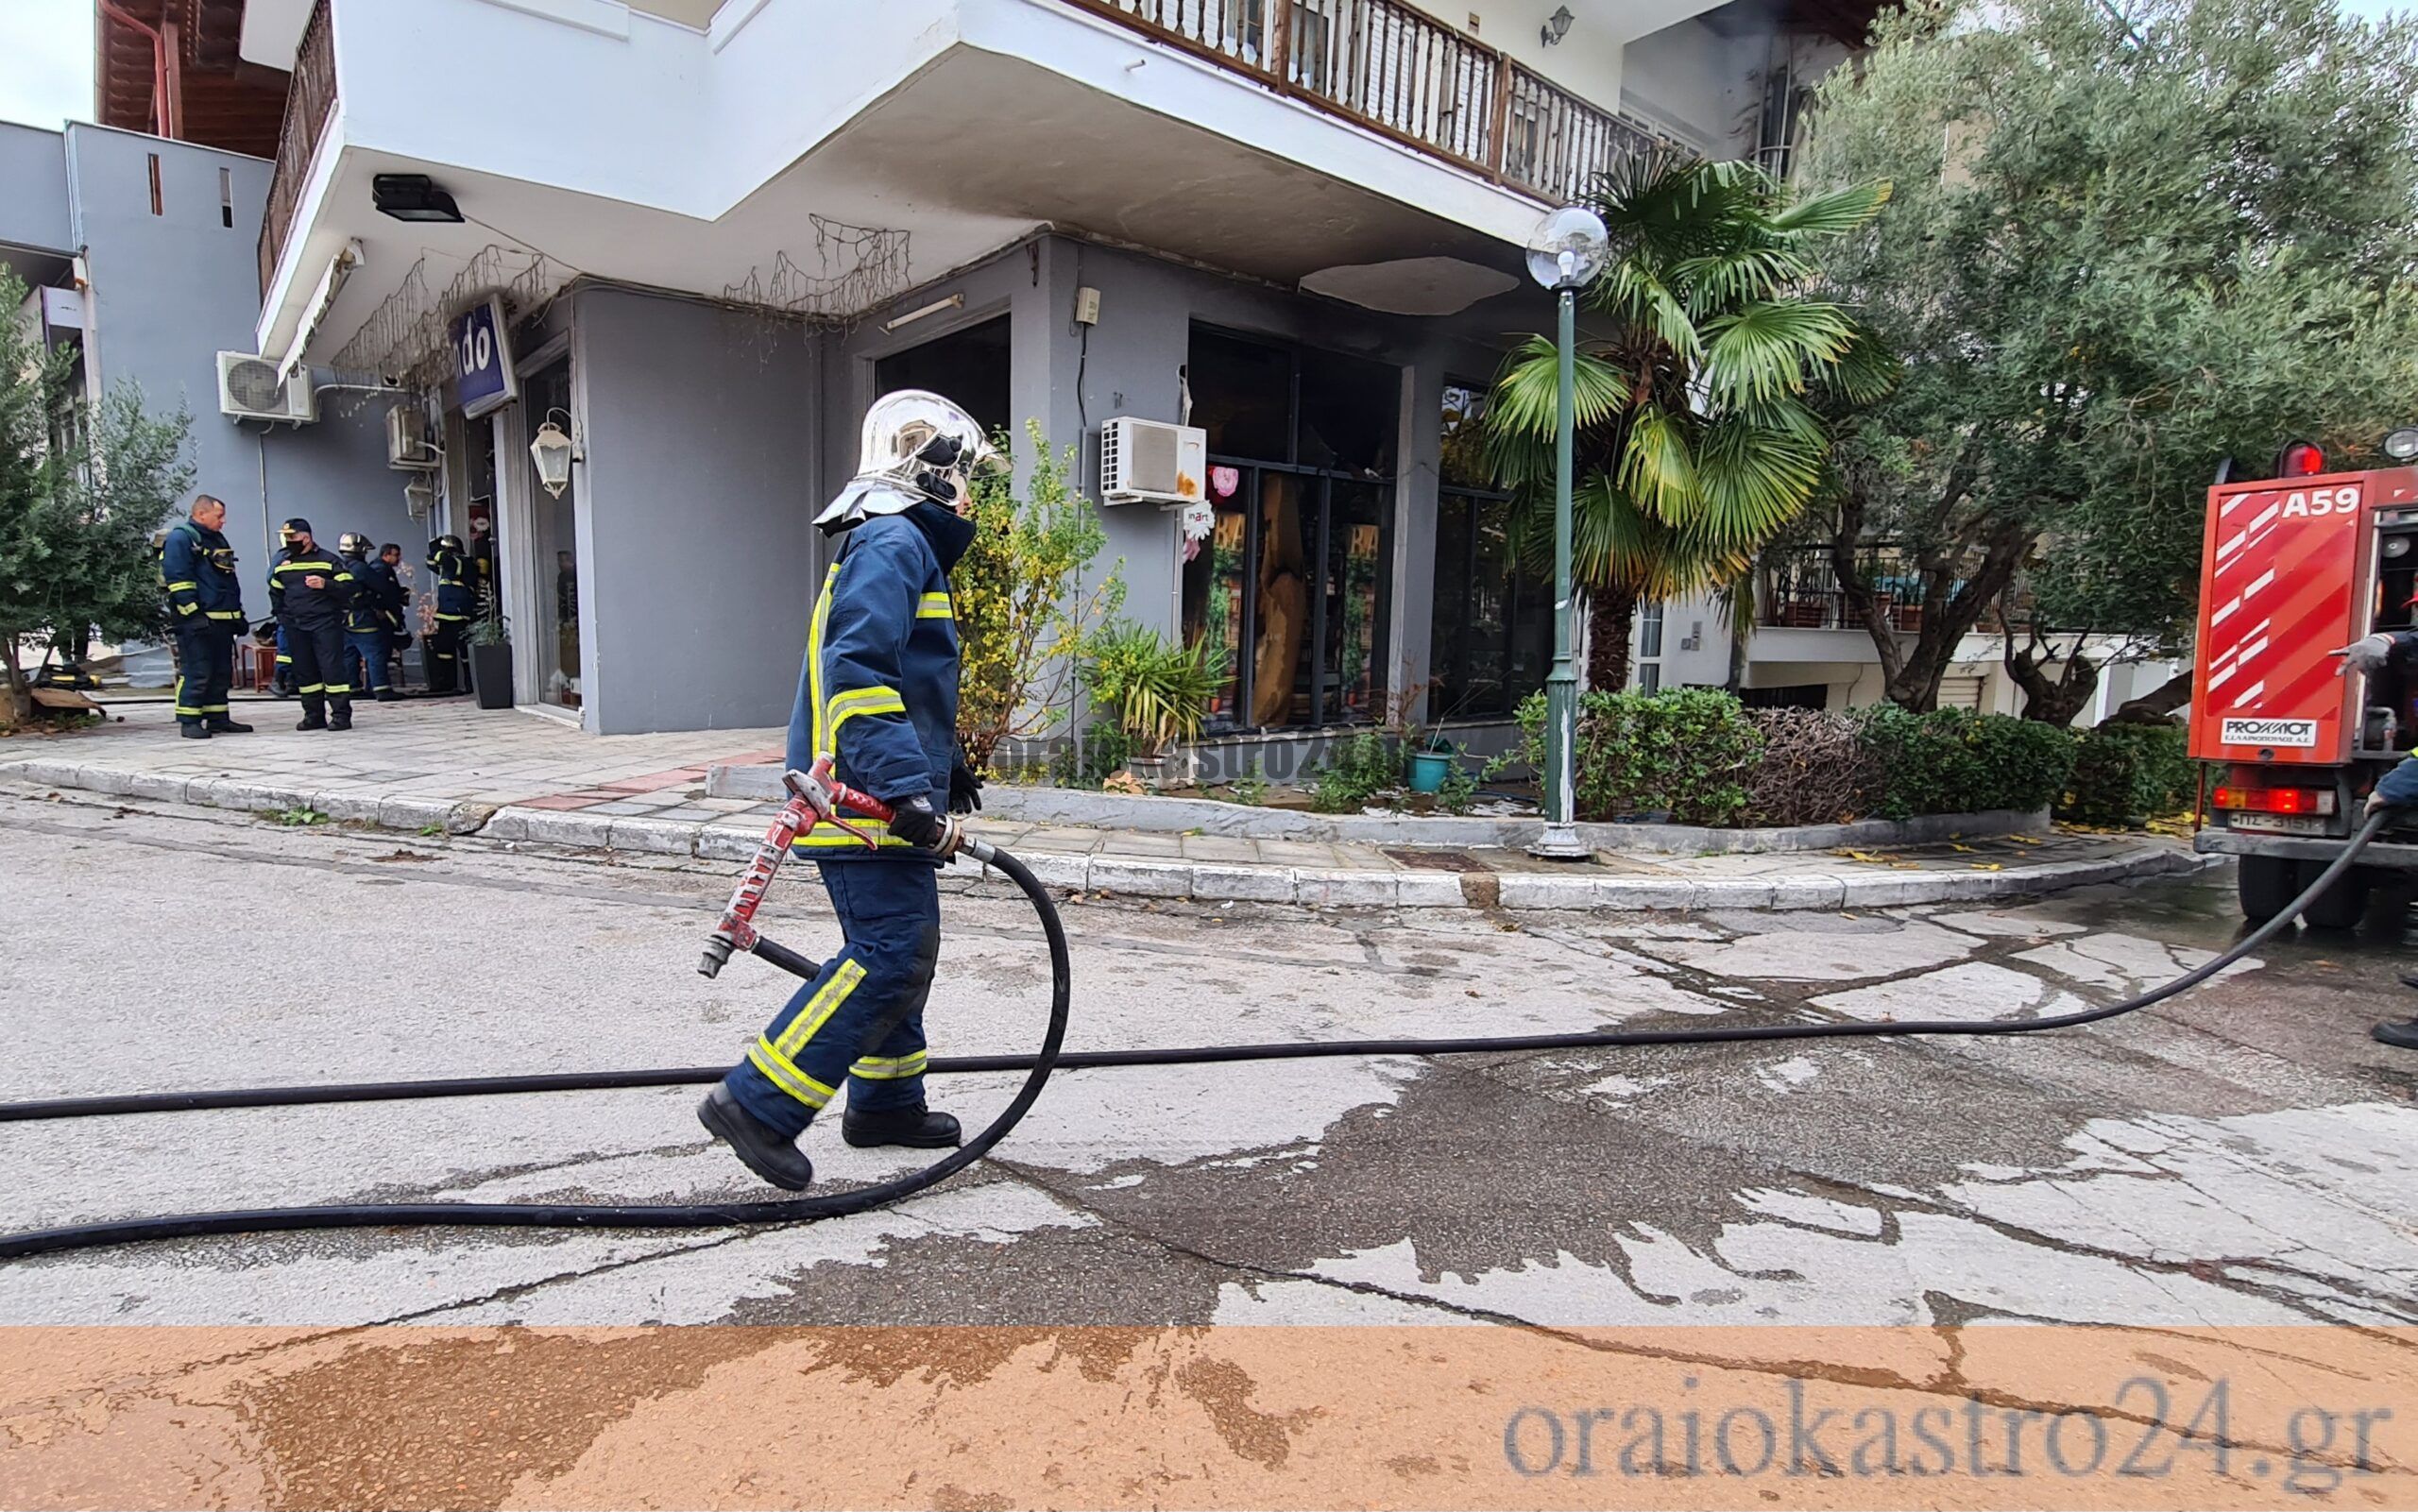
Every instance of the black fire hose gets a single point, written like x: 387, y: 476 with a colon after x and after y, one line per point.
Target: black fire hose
x: 725, y: 1215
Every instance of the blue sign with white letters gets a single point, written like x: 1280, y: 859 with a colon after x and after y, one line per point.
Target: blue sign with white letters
x: 483, y: 374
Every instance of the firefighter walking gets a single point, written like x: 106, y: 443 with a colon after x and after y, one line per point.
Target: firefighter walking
x: 877, y: 694
x: 312, y: 595
x: 206, y: 611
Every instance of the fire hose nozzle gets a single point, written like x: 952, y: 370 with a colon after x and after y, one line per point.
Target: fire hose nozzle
x: 717, y: 955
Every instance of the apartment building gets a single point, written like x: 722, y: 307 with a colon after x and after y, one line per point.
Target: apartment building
x: 685, y: 244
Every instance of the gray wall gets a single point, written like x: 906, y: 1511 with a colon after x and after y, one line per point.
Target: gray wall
x: 696, y: 505
x: 171, y: 291
x: 33, y: 189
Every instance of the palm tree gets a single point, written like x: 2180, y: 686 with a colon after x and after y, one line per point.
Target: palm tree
x: 1697, y: 439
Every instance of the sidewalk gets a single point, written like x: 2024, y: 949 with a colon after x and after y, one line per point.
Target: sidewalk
x: 447, y: 766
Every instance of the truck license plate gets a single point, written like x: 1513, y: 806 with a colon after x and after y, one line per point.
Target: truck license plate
x: 2281, y: 823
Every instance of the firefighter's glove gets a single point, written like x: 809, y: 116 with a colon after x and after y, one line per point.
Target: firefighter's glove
x: 965, y: 787
x: 2376, y: 806
x: 914, y: 820
x: 2367, y: 654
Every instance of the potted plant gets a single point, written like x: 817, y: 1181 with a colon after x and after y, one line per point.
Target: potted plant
x: 1157, y: 694
x: 490, y: 642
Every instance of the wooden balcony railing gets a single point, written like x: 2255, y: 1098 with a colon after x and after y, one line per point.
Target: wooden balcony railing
x: 1400, y: 71
x: 310, y: 99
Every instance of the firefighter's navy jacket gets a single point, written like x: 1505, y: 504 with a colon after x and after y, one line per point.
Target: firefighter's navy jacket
x: 456, y: 598
x: 879, y: 689
x: 198, y: 567
x: 368, y: 613
x: 295, y: 602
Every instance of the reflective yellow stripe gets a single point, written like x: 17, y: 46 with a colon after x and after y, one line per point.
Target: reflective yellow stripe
x: 339, y: 687
x: 344, y: 577
x: 182, y: 707
x: 312, y: 688
x: 814, y: 659
x: 213, y: 709
x: 862, y: 701
x: 780, y: 1073
x: 935, y: 606
x: 820, y: 1008
x: 452, y: 617
x: 832, y: 840
x: 174, y: 586
x: 187, y: 609
x: 884, y: 1069
x: 305, y: 567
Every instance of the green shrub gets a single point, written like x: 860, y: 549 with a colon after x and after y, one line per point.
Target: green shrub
x: 1357, y: 770
x: 1687, y: 752
x: 1951, y: 761
x: 1458, y: 794
x: 2125, y: 773
x: 1087, y: 760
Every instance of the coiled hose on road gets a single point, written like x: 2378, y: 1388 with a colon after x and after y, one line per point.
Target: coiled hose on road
x: 1037, y: 1066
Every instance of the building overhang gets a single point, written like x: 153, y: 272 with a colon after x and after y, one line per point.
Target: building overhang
x: 715, y: 162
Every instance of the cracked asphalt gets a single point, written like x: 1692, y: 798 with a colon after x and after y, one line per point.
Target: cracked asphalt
x: 2239, y: 1158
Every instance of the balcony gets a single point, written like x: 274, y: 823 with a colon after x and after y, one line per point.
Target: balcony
x: 310, y: 99
x: 1272, y: 140
x: 1800, y: 590
x: 1400, y: 73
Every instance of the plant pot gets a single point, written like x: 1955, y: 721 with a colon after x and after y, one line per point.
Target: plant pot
x: 1428, y: 769
x: 1151, y: 772
x: 491, y: 674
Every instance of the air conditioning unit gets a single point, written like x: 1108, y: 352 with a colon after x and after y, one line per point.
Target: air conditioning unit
x: 1151, y: 462
x: 407, y: 444
x: 248, y: 389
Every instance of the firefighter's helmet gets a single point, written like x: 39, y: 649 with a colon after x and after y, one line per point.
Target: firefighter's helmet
x: 915, y: 446
x: 353, y: 543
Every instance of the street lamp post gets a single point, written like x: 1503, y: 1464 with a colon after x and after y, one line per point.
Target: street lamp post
x: 1564, y: 255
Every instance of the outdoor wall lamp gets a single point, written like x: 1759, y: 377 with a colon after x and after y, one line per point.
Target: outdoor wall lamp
x: 1557, y: 27
x: 413, y: 197
x: 551, y: 452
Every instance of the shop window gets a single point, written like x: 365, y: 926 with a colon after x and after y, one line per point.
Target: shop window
x: 1292, y: 583
x: 967, y: 368
x: 1491, y: 640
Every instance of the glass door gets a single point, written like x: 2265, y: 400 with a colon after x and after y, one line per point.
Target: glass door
x: 552, y: 550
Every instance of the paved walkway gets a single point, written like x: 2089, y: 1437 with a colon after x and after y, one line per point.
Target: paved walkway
x: 445, y: 766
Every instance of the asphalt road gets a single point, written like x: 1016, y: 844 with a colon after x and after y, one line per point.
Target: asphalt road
x: 2239, y: 1158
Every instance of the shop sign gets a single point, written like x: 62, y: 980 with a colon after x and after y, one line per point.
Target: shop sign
x: 483, y: 374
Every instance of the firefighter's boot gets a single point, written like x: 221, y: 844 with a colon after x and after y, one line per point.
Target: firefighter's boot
x: 221, y: 724
x: 339, y: 712
x: 759, y: 1145
x: 314, y: 712
x: 2402, y: 1035
x: 910, y: 1128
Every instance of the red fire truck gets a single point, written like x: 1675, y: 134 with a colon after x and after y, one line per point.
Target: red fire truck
x: 2295, y: 568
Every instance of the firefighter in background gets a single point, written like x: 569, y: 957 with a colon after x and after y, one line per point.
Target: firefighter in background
x: 206, y: 611
x: 311, y: 594
x: 2377, y: 656
x: 388, y: 567
x: 281, y: 681
x: 879, y: 695
x: 370, y: 620
x: 456, y: 601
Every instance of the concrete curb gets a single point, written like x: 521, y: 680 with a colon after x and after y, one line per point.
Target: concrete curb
x: 1151, y: 814
x: 1153, y: 877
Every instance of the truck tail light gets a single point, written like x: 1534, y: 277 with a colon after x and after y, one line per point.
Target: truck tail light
x: 2299, y: 459
x: 2273, y: 800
